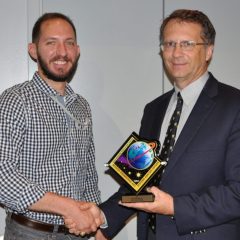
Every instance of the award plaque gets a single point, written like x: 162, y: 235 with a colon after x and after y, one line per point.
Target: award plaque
x: 136, y: 162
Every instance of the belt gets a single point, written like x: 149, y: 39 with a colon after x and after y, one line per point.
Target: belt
x: 38, y: 225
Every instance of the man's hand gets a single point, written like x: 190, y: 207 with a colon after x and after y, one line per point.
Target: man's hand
x: 94, y: 210
x: 90, y: 213
x: 163, y: 203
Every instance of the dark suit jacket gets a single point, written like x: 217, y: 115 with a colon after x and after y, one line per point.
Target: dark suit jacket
x: 203, y: 173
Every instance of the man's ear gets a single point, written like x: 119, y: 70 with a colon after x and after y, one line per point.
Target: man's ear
x: 32, y: 51
x: 209, y: 53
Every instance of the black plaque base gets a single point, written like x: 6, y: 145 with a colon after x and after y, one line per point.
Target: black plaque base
x: 146, y: 197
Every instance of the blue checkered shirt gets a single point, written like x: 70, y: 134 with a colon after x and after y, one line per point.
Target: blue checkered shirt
x: 43, y: 149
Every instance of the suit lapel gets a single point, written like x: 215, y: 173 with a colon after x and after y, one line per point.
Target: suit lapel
x: 157, y: 123
x: 200, y: 112
x: 153, y: 118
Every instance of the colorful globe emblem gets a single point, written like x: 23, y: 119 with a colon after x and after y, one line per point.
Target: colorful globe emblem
x: 140, y: 155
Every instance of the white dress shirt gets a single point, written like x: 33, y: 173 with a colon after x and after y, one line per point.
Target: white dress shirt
x: 189, y: 95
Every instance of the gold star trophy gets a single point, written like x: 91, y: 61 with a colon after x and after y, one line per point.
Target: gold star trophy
x: 136, y: 162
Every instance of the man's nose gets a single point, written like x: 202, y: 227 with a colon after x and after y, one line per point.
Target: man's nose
x: 177, y: 50
x: 61, y: 49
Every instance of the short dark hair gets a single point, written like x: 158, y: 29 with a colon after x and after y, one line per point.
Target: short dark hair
x: 192, y: 16
x: 49, y: 16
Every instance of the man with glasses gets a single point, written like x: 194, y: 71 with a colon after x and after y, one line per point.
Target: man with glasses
x: 198, y: 195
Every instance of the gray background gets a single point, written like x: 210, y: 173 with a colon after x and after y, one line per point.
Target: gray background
x: 119, y: 69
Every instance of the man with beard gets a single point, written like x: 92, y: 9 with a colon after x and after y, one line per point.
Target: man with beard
x: 47, y: 161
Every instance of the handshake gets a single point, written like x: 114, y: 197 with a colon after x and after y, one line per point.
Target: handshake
x: 81, y: 218
x: 84, y: 218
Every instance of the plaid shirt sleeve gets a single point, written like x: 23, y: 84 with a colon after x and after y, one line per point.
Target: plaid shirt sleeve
x: 17, y: 192
x: 91, y: 184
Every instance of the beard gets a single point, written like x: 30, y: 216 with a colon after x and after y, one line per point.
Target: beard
x: 67, y: 77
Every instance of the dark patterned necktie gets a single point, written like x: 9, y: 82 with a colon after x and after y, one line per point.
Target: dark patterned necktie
x: 167, y: 148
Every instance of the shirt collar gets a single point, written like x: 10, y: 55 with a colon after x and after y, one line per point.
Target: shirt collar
x: 44, y: 87
x: 193, y: 90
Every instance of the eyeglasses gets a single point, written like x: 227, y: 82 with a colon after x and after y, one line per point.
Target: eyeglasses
x: 186, y: 45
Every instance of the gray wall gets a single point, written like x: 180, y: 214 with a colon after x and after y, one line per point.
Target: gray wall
x: 119, y: 69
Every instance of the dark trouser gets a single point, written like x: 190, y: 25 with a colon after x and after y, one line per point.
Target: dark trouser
x: 16, y: 231
x: 151, y: 235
